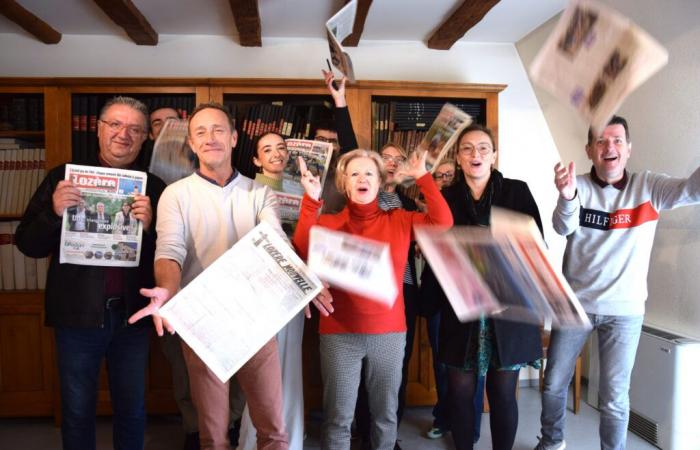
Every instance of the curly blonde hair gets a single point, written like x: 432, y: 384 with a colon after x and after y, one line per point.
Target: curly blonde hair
x: 359, y: 153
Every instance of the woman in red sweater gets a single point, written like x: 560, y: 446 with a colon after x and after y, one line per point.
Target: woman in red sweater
x: 363, y: 330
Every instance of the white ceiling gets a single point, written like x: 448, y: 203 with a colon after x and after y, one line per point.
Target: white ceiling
x: 401, y: 20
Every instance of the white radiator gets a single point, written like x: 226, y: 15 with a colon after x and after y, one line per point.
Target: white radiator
x: 665, y: 390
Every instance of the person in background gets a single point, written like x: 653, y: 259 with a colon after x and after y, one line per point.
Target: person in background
x: 271, y: 157
x: 609, y: 217
x: 488, y: 347
x: 88, y: 305
x: 362, y: 334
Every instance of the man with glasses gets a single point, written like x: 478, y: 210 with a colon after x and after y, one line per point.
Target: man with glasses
x: 88, y: 305
x: 609, y: 217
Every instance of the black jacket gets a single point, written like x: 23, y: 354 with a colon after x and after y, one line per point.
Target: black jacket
x: 75, y: 294
x: 515, y: 342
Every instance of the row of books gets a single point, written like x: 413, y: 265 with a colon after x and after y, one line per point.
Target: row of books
x: 22, y: 168
x: 405, y: 122
x: 291, y: 120
x: 86, y: 110
x: 22, y: 112
x: 18, y: 272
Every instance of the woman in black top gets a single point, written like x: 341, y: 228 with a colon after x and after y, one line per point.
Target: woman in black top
x: 487, y: 346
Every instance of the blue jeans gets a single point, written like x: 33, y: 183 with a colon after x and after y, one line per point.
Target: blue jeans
x: 79, y: 352
x: 618, y: 337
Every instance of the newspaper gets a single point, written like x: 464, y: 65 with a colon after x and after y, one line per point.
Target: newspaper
x: 503, y: 271
x: 352, y: 263
x: 101, y: 230
x: 172, y: 157
x: 242, y: 300
x: 594, y: 58
x: 443, y: 133
x: 338, y: 28
x: 317, y: 156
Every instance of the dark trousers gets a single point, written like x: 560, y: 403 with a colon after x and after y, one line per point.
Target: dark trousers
x: 79, y: 352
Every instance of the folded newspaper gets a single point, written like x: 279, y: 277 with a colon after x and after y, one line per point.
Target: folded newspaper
x: 502, y: 271
x: 101, y: 229
x: 594, y: 58
x: 242, y: 300
x: 172, y: 157
x: 338, y: 28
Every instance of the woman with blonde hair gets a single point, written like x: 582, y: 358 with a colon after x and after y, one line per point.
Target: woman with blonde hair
x: 362, y: 330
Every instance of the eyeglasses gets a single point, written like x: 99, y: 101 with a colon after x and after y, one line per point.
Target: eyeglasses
x: 483, y: 149
x: 116, y: 126
x: 444, y: 176
x: 396, y: 159
x: 325, y: 139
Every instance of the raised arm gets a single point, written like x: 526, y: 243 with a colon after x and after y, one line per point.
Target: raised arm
x: 347, y: 140
x: 310, y: 206
x: 438, y: 211
x: 565, y: 218
x: 669, y: 193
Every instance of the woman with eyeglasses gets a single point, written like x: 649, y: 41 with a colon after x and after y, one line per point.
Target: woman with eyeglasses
x: 362, y: 334
x: 492, y: 347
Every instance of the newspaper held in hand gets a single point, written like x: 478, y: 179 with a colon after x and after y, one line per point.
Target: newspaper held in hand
x: 594, y: 58
x: 101, y: 230
x: 352, y: 263
x: 502, y: 271
x: 242, y: 300
x: 172, y: 157
x: 317, y: 156
x: 443, y: 133
x: 338, y: 28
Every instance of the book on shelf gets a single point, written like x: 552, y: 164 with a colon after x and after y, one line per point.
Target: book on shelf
x: 21, y: 173
x: 17, y: 271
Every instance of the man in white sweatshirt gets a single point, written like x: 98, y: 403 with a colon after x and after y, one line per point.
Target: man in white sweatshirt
x: 609, y: 217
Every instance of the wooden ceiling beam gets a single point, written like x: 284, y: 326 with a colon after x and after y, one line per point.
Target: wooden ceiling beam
x: 359, y: 25
x: 247, y: 18
x: 462, y: 20
x: 125, y: 14
x: 25, y: 19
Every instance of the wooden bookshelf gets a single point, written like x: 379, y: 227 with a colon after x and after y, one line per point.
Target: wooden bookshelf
x: 26, y: 346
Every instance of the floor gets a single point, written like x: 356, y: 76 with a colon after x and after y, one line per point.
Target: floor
x: 164, y: 432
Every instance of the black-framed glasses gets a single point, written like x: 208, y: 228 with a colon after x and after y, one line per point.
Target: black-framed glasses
x: 444, y: 176
x: 396, y: 159
x: 483, y: 149
x: 117, y: 126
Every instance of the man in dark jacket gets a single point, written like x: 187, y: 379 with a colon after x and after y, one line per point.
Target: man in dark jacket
x: 88, y: 305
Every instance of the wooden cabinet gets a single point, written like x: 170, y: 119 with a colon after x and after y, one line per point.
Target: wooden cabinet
x: 28, y: 380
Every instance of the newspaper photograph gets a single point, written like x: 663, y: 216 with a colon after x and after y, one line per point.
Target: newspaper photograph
x: 338, y: 28
x: 507, y: 266
x: 354, y: 264
x: 101, y: 229
x: 242, y: 300
x: 443, y: 133
x: 594, y: 59
x: 172, y: 157
x: 288, y: 206
x: 317, y: 156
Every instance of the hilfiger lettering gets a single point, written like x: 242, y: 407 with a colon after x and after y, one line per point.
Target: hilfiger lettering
x: 622, y: 218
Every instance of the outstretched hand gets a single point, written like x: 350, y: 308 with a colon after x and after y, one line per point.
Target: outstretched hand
x: 311, y: 182
x: 565, y: 180
x: 159, y: 296
x: 413, y: 167
x: 337, y: 91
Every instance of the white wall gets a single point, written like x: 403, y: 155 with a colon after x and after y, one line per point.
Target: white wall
x: 664, y: 124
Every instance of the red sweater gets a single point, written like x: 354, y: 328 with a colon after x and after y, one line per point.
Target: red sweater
x: 354, y: 313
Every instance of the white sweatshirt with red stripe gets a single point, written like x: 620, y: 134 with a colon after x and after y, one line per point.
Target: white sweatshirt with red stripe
x: 610, y: 233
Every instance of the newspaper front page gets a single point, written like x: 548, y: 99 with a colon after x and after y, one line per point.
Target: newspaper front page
x: 594, y: 58
x: 338, y: 28
x: 354, y: 264
x: 441, y: 137
x: 242, y: 300
x: 503, y: 271
x: 317, y: 156
x: 101, y: 230
x: 172, y: 157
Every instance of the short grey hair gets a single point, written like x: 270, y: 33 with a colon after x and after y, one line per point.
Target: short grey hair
x: 131, y: 102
